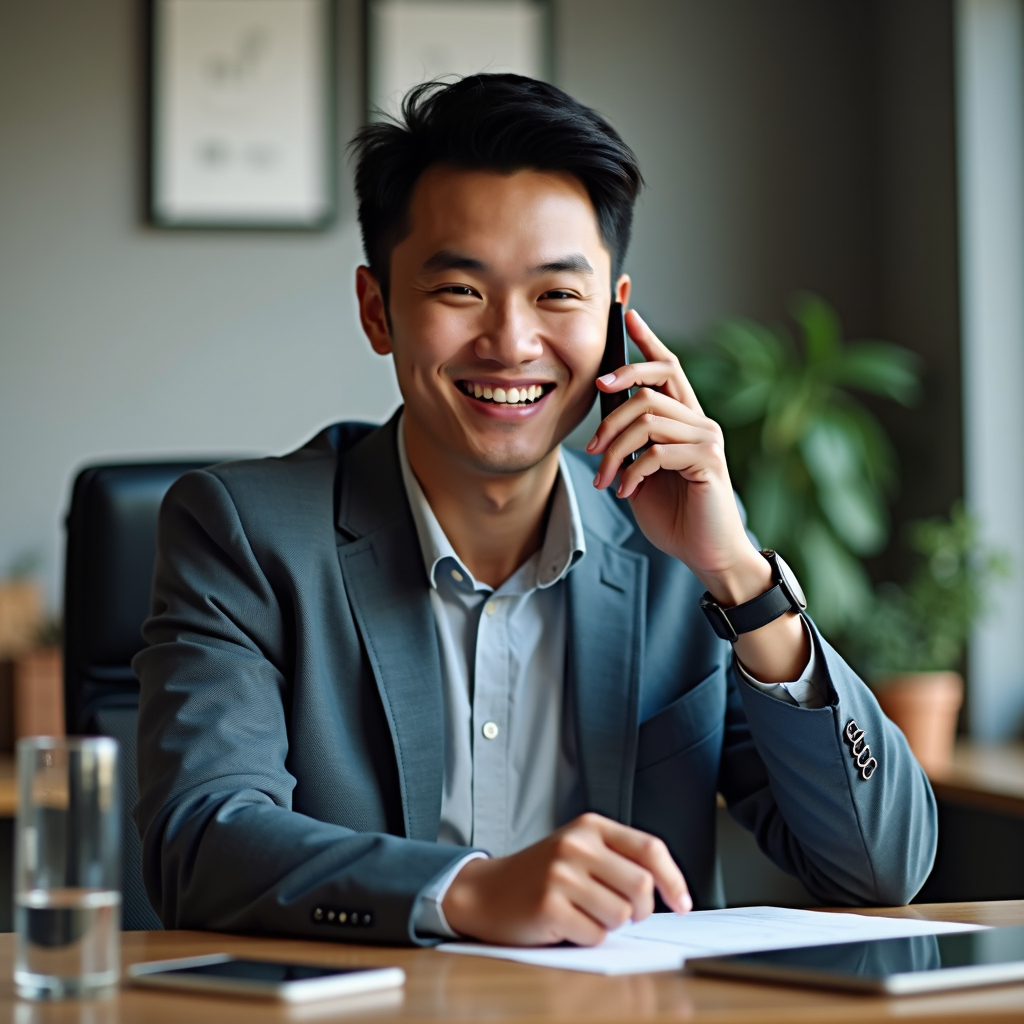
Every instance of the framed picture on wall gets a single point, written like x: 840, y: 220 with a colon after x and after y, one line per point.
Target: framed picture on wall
x: 241, y: 113
x: 413, y: 41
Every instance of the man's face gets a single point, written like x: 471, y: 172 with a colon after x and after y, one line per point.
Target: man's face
x: 499, y: 300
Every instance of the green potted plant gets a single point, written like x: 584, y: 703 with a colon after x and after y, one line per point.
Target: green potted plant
x: 812, y: 464
x: 909, y: 644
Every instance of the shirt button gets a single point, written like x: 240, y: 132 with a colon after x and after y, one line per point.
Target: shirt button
x: 490, y: 730
x: 490, y: 608
x: 457, y: 576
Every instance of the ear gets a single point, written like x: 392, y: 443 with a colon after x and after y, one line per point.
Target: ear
x: 372, y: 311
x: 623, y: 288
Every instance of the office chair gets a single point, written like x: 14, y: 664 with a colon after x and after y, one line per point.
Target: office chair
x: 111, y: 547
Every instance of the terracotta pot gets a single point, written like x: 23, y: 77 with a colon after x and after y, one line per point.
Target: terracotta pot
x: 925, y: 706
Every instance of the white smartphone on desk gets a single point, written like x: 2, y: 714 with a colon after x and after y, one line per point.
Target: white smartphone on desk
x: 237, y: 976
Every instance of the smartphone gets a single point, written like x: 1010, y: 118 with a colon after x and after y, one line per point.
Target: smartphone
x: 616, y: 355
x: 291, y: 983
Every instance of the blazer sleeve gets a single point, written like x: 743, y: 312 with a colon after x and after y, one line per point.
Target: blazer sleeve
x: 222, y: 847
x: 791, y: 777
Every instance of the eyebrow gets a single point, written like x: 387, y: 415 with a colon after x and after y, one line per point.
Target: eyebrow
x: 575, y: 262
x: 448, y: 259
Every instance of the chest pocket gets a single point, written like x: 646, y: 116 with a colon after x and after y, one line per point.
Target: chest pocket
x: 685, y: 723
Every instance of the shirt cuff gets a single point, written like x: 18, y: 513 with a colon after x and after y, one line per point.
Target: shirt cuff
x: 429, y: 918
x: 806, y: 692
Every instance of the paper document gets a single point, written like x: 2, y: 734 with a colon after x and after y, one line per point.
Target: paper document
x: 664, y: 941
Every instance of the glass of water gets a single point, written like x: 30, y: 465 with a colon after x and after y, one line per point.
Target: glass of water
x: 67, y: 867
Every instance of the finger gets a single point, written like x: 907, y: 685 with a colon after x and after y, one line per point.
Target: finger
x: 577, y: 926
x: 632, y: 882
x: 651, y: 853
x: 605, y: 905
x: 647, y: 428
x: 644, y: 401
x: 650, y: 345
x: 655, y: 350
x: 698, y: 463
x: 667, y: 376
x: 655, y: 374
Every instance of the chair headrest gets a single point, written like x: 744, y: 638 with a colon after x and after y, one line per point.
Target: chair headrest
x: 110, y: 554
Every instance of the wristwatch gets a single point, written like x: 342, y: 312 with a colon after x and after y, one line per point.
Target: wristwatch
x: 786, y: 596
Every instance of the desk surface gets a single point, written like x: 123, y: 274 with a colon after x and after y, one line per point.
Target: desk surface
x: 446, y: 987
x: 991, y: 777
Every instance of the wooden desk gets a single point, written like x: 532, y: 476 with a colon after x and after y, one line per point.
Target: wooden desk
x: 446, y: 987
x: 989, y: 777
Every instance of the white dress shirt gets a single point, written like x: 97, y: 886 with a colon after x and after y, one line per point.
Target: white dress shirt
x: 510, y: 774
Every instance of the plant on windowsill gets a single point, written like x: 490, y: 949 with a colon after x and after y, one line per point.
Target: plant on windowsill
x: 814, y: 467
x: 911, y: 641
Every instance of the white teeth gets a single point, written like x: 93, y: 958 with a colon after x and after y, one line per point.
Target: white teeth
x: 510, y: 396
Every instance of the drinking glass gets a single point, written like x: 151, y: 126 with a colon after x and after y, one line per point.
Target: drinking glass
x: 67, y: 867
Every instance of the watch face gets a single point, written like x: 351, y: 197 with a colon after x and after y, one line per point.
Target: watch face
x: 789, y: 579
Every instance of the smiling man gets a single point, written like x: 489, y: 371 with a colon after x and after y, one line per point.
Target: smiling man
x: 443, y: 677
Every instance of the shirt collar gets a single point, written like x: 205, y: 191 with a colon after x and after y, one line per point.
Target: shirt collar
x: 563, y: 543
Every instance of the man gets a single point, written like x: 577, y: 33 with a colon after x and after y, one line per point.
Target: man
x: 438, y: 678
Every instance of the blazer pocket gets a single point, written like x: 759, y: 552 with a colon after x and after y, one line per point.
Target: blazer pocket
x: 686, y: 722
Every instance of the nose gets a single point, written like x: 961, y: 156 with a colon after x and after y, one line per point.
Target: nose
x: 511, y: 333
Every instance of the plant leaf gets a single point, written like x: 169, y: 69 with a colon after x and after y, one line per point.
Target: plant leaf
x: 774, y: 504
x: 880, y: 368
x: 852, y: 504
x: 838, y: 590
x: 820, y: 325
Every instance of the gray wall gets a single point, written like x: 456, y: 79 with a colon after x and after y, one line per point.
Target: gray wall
x: 786, y: 144
x: 119, y: 341
x: 753, y: 123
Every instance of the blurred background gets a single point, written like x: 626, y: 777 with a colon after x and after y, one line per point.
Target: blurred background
x: 868, y: 152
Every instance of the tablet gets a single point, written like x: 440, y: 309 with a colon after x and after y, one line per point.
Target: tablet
x: 925, y: 963
x: 268, y: 979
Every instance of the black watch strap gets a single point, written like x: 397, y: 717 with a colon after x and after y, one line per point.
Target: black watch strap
x: 746, y: 617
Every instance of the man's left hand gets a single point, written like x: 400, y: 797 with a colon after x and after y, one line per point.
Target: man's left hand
x: 679, y: 488
x: 682, y: 496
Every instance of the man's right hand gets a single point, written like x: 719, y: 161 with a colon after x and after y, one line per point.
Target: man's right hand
x: 588, y: 878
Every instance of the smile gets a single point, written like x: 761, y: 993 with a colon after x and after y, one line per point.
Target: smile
x: 495, y: 395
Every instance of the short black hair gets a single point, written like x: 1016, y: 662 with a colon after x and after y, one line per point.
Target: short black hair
x: 500, y: 122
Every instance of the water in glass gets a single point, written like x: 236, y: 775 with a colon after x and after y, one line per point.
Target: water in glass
x: 68, y: 941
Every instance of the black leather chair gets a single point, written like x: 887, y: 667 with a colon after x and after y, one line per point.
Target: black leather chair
x: 111, y: 547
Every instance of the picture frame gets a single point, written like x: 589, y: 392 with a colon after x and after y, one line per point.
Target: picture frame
x: 413, y: 41
x: 241, y: 114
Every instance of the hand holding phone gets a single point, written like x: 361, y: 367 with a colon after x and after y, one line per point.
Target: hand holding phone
x: 679, y: 489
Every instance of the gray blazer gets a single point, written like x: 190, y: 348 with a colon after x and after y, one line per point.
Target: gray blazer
x: 290, y: 722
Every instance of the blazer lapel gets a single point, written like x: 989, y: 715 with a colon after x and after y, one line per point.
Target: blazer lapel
x: 382, y: 567
x: 607, y: 612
